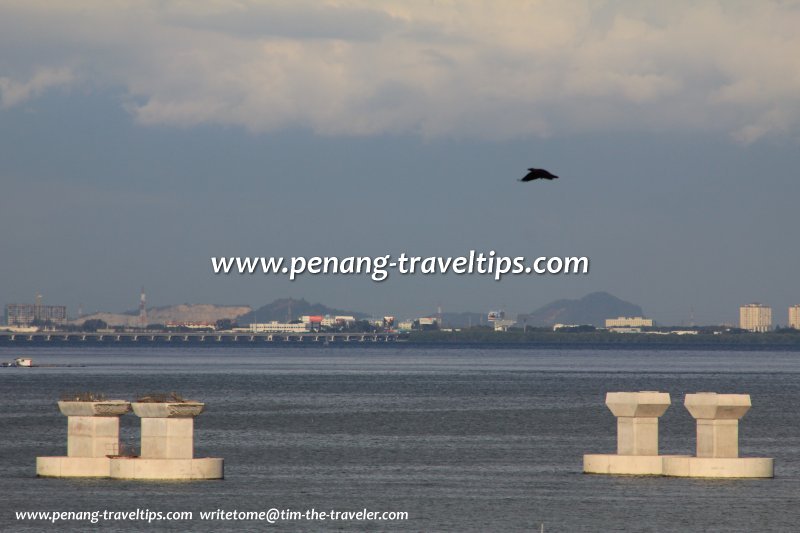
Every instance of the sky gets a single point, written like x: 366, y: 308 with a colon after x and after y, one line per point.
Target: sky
x: 138, y: 139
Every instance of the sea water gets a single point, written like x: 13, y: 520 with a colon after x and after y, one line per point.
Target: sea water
x: 460, y: 438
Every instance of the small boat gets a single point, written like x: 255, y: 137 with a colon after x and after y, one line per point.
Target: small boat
x: 23, y: 361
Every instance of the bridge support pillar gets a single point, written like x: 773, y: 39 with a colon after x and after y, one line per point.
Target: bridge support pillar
x: 637, y: 435
x: 717, y: 456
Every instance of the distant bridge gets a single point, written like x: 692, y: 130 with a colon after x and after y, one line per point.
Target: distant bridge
x: 189, y: 339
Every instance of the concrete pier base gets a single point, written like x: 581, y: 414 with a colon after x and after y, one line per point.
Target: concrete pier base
x: 719, y: 467
x: 632, y: 465
x: 72, y: 466
x: 167, y: 469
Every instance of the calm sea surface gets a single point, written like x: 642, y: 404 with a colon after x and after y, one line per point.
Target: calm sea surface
x: 463, y: 439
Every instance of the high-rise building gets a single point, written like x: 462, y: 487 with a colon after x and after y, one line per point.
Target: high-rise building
x: 755, y: 317
x: 36, y: 314
x: 794, y: 316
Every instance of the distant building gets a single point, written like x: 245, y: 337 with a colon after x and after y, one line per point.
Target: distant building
x: 794, y: 317
x: 327, y: 321
x: 406, y: 325
x: 278, y: 327
x: 31, y: 314
x: 503, y: 325
x: 755, y: 317
x: 313, y: 322
x: 426, y: 323
x: 629, y: 322
x: 191, y: 325
x: 496, y: 315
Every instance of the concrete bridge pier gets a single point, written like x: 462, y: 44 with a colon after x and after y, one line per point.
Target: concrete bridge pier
x: 717, y: 456
x: 637, y: 435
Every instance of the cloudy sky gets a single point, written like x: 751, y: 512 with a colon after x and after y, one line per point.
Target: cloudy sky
x: 138, y: 139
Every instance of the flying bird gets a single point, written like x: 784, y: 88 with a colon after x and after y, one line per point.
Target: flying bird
x: 538, y: 174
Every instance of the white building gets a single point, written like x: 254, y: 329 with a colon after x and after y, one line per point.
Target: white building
x: 794, y: 317
x: 629, y: 322
x: 755, y: 317
x: 278, y: 327
x: 406, y: 325
x: 503, y: 325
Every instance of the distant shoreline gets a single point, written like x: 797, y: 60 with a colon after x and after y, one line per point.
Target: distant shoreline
x: 605, y: 339
x: 786, y: 341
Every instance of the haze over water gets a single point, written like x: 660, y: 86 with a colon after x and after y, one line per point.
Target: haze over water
x: 463, y: 439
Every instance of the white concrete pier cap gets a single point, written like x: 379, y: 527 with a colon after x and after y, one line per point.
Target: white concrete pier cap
x: 713, y: 406
x: 638, y: 404
x: 99, y: 408
x: 167, y: 409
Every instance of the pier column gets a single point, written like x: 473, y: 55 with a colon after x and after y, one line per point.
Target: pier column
x: 637, y: 435
x: 167, y: 429
x: 637, y: 420
x: 93, y: 427
x: 717, y: 418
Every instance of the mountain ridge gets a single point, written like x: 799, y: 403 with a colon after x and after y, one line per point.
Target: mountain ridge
x: 594, y: 309
x: 279, y: 310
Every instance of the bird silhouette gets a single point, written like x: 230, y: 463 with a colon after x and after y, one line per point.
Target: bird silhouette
x: 538, y: 174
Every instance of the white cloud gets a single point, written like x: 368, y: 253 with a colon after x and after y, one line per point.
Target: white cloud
x: 481, y: 68
x: 14, y: 92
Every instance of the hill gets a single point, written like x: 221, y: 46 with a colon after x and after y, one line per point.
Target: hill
x: 593, y: 309
x: 171, y: 313
x: 280, y: 310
